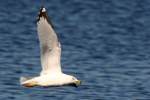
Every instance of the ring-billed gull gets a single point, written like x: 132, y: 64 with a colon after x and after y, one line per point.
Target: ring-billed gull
x: 50, y: 49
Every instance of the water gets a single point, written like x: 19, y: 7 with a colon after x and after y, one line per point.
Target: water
x: 105, y: 43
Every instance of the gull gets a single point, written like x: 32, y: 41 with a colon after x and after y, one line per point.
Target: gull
x: 50, y: 53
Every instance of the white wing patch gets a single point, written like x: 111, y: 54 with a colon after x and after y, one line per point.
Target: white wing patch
x: 43, y: 10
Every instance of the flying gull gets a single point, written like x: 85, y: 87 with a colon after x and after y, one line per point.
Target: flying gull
x: 50, y: 49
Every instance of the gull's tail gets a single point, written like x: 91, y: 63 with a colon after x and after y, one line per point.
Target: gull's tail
x: 27, y: 81
x: 23, y: 79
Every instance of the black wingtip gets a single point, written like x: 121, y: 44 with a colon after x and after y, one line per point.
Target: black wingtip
x: 43, y: 13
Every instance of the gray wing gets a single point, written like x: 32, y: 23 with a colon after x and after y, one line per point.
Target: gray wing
x: 49, y: 45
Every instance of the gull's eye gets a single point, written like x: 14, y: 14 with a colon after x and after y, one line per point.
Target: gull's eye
x: 73, y: 78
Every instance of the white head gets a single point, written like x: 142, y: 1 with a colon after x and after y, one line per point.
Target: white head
x: 71, y: 80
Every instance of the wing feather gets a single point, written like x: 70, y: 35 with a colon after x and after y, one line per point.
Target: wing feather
x: 49, y: 46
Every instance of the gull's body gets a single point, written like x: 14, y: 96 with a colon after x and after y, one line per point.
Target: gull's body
x: 51, y: 74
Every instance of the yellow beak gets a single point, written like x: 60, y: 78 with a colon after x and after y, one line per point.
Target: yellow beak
x: 77, y: 83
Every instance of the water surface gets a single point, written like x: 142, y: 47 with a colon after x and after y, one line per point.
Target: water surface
x: 105, y: 43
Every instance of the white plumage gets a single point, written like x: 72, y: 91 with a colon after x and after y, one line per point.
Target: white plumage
x: 51, y: 74
x: 50, y: 48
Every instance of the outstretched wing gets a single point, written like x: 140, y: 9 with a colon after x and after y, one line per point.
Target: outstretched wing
x: 49, y: 44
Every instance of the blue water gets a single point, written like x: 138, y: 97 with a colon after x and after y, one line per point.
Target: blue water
x: 105, y: 43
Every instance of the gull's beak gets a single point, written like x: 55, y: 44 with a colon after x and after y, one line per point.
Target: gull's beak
x: 77, y: 83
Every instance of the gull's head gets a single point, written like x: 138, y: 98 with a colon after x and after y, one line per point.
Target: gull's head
x: 76, y: 81
x: 73, y: 81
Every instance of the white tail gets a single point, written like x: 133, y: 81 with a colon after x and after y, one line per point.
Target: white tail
x: 23, y: 79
